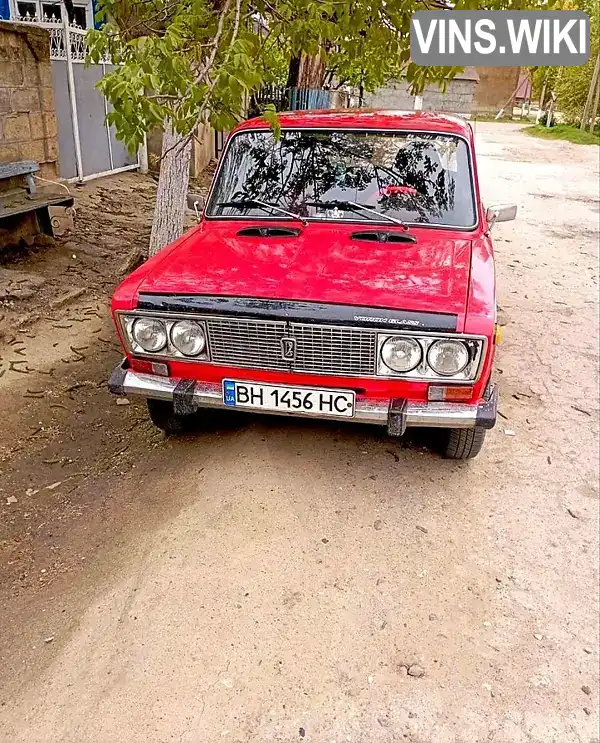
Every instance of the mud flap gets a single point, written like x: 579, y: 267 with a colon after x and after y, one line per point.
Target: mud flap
x: 486, y: 411
x: 116, y: 380
x: 183, y: 397
x: 397, y: 417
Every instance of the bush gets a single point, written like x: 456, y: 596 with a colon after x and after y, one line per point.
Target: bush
x: 543, y: 120
x: 570, y: 84
x: 571, y: 89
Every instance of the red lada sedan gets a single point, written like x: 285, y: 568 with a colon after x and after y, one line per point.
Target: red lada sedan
x: 341, y: 270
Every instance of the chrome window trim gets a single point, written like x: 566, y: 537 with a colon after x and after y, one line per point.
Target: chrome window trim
x: 374, y: 130
x: 380, y: 336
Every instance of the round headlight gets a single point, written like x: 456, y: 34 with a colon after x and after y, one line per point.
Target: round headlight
x: 448, y: 357
x: 188, y: 337
x: 150, y: 334
x: 401, y: 354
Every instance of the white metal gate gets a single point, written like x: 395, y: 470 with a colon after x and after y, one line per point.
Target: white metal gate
x: 87, y: 146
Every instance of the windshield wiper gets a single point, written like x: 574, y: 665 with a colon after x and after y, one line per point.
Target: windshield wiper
x: 354, y: 206
x: 250, y: 203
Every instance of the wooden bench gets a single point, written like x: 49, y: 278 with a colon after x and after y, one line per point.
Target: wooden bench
x: 28, y: 198
x: 25, y: 167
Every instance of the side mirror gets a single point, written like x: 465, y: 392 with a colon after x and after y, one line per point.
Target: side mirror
x: 196, y: 202
x: 500, y: 213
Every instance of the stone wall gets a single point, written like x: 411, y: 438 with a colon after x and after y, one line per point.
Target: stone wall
x: 27, y: 114
x: 457, y: 99
x: 394, y: 95
x: 496, y: 85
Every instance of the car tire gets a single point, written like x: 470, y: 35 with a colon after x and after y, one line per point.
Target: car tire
x: 163, y: 416
x: 463, y: 443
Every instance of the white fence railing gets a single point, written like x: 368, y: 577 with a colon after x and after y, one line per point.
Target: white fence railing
x: 59, y: 31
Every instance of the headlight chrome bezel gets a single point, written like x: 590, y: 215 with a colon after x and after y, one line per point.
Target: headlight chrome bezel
x: 169, y: 351
x: 461, y: 346
x: 202, y: 329
x: 423, y: 372
x: 395, y: 339
x: 138, y: 322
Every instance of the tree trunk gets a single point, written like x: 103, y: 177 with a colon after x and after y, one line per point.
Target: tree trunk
x: 590, y: 96
x: 312, y: 72
x: 550, y: 114
x: 173, y: 181
x: 543, y: 94
x: 595, y: 107
x: 307, y: 71
x: 293, y: 70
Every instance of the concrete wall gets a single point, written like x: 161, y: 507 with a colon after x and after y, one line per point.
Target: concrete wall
x: 496, y: 85
x: 458, y: 97
x: 27, y: 113
x: 203, y: 151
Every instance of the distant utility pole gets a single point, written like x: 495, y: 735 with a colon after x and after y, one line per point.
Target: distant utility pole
x: 591, y: 102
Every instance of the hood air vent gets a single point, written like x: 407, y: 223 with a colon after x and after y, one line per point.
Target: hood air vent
x: 269, y: 232
x: 384, y: 237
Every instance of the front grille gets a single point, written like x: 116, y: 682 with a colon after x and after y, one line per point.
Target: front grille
x: 331, y: 350
x: 252, y: 343
x: 319, y: 349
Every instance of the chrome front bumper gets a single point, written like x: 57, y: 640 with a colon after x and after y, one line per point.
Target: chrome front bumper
x: 397, y: 414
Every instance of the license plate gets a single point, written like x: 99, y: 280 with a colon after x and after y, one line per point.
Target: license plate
x: 310, y: 400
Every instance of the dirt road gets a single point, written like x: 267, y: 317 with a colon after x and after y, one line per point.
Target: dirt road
x: 274, y: 579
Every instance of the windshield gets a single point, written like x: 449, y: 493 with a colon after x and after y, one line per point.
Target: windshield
x: 409, y: 176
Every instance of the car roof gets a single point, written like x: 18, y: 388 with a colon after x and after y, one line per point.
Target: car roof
x: 366, y: 118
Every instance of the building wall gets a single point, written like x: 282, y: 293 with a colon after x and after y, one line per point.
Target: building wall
x: 496, y: 85
x: 27, y: 113
x: 203, y: 149
x: 458, y: 97
x: 84, y: 10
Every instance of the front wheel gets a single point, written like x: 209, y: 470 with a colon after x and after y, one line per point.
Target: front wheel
x: 463, y: 443
x: 163, y: 416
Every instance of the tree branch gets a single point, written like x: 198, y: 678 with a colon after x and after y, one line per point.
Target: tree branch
x: 211, y: 87
x: 182, y: 143
x: 215, y: 44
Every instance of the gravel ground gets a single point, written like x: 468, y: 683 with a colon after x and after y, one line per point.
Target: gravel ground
x: 280, y: 580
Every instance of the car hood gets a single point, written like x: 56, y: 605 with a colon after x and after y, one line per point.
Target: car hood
x: 321, y: 264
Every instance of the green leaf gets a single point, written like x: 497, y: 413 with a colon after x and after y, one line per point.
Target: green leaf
x: 270, y: 115
x: 197, y: 60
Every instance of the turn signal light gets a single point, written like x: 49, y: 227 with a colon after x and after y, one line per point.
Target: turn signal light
x: 150, y: 367
x: 449, y: 394
x: 160, y: 369
x: 141, y: 366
